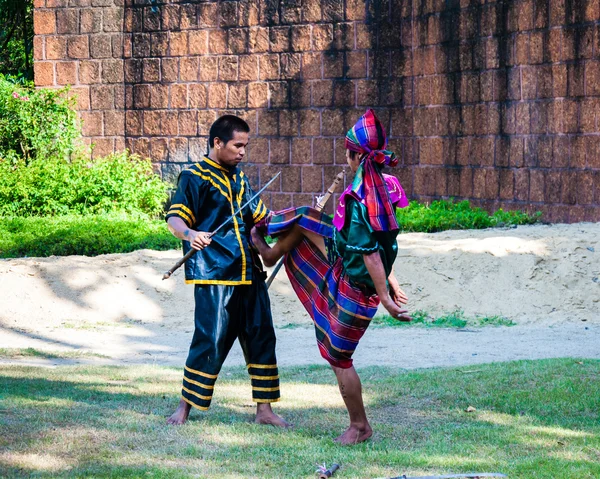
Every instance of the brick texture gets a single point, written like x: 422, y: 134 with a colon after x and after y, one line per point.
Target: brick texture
x: 496, y: 102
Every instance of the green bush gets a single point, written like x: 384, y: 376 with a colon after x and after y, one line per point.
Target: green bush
x: 89, y: 235
x: 57, y: 186
x: 36, y: 124
x: 443, y: 215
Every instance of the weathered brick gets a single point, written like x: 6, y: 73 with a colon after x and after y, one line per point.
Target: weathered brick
x: 208, y: 68
x: 322, y: 37
x: 279, y: 151
x: 100, y: 46
x: 537, y: 182
x: 228, y: 68
x: 152, y: 126
x: 198, y: 42
x: 67, y: 21
x: 44, y: 22
x: 66, y: 73
x: 479, y: 187
x: 102, y: 97
x: 112, y: 19
x: 178, y: 43
x: 112, y: 71
x: 92, y: 123
x: 159, y: 148
x: 553, y: 187
x: 228, y: 13
x: 279, y: 38
x: 169, y: 122
x: 78, y: 46
x: 141, y: 96
x: 269, y: 67
x: 207, y: 15
x: 521, y: 184
x: 159, y: 97
x: 56, y: 48
x: 217, y: 42
x: 301, y: 151
x: 82, y: 94
x: 311, y: 11
x: 291, y: 180
x: 179, y: 96
x: 258, y: 40
x: 90, y: 20
x: 258, y: 150
x: 151, y: 70
x: 301, y: 38
x: 288, y: 123
x: 290, y: 65
x: 237, y: 96
x: 312, y: 179
x: 188, y: 69
x: 188, y: 123
x: 178, y: 150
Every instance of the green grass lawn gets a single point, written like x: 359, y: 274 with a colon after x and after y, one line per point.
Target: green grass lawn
x: 533, y: 419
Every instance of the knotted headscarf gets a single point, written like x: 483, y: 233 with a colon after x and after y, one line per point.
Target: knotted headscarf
x: 367, y: 137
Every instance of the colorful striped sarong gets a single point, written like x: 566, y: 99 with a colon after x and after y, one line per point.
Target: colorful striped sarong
x: 340, y: 310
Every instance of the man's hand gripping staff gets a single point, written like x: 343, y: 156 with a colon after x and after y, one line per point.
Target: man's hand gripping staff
x: 201, y: 239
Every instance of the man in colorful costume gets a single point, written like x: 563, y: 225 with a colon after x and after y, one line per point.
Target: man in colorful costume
x: 341, y: 269
x: 229, y: 283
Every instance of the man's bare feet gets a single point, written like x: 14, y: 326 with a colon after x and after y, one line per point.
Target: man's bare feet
x: 180, y: 415
x: 265, y: 415
x: 354, y: 435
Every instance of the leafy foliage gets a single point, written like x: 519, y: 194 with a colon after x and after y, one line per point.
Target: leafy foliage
x: 16, y: 38
x: 443, y: 215
x: 453, y: 319
x: 36, y: 124
x: 119, y: 182
x: 82, y: 235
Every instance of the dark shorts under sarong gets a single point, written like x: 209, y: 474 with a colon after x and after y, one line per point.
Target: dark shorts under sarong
x: 341, y: 311
x: 223, y: 314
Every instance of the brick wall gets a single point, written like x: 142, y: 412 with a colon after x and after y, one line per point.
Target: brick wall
x: 495, y: 102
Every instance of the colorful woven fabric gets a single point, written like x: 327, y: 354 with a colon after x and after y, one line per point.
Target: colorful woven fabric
x: 368, y: 137
x: 306, y: 217
x: 341, y: 311
x: 394, y: 188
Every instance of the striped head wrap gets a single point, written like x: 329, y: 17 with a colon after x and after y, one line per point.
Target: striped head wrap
x: 367, y: 137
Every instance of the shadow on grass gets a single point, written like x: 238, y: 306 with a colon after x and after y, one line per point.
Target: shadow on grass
x: 532, y: 419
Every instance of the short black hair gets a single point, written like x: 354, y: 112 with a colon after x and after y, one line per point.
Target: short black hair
x: 223, y: 128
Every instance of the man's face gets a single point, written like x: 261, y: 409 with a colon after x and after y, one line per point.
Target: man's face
x: 232, y: 153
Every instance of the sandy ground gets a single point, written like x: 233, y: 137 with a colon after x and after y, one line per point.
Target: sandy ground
x: 545, y: 278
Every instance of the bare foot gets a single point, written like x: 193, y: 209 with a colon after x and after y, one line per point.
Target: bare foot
x: 265, y: 415
x: 180, y: 415
x: 354, y: 435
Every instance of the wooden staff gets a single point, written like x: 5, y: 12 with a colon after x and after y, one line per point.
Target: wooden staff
x: 320, y: 205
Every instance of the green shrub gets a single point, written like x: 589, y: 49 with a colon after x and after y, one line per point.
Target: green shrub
x: 57, y: 186
x: 83, y: 235
x: 443, y: 215
x: 36, y: 124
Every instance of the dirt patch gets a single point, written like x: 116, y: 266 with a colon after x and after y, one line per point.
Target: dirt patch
x: 545, y: 278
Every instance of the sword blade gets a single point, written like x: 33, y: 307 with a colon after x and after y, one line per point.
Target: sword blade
x: 245, y: 204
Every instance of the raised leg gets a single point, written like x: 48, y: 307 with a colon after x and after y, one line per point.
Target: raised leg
x: 285, y: 243
x: 351, y: 391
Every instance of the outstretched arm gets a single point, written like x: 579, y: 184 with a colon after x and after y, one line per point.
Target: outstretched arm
x: 377, y: 273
